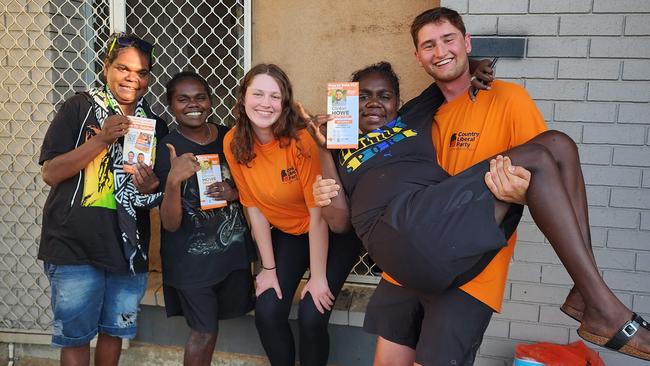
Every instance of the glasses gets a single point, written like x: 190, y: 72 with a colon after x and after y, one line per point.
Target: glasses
x: 131, y: 41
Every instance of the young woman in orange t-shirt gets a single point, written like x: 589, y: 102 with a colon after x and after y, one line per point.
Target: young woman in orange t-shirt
x: 274, y: 163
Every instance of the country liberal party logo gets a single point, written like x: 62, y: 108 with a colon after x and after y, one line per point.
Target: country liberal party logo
x: 288, y: 175
x: 463, y: 140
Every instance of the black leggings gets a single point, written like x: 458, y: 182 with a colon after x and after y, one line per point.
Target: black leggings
x: 272, y: 315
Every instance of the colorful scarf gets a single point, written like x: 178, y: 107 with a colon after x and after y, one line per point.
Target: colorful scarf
x: 127, y: 196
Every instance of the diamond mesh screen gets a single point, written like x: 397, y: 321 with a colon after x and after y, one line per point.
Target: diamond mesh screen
x: 49, y: 50
x: 202, y: 36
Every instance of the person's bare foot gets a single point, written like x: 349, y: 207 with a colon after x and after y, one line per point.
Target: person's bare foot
x: 574, y: 305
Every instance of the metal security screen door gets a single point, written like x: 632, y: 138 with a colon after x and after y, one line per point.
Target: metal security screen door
x: 49, y: 50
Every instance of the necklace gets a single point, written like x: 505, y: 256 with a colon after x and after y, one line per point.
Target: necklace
x: 205, y: 142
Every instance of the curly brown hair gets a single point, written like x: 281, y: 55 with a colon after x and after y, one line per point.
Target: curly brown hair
x: 284, y: 129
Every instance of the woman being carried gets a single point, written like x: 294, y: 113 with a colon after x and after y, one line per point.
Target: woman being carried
x: 432, y: 232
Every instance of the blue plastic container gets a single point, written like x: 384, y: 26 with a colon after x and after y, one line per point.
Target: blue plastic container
x: 520, y: 362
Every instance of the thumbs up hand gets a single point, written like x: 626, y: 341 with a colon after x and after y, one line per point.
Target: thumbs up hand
x: 182, y: 167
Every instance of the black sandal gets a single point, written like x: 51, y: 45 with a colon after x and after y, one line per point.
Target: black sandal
x: 619, y: 341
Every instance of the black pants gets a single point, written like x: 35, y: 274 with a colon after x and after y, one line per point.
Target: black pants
x: 272, y: 314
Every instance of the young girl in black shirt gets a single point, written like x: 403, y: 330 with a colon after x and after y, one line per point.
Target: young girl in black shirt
x: 205, y: 254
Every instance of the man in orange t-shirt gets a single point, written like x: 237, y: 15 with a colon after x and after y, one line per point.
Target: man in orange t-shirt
x: 437, y: 329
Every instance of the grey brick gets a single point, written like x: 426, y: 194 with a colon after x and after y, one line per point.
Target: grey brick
x: 634, y: 113
x: 627, y: 281
x: 458, y: 5
x: 628, y: 239
x: 621, y: 6
x: 642, y: 262
x: 645, y: 220
x: 629, y: 47
x: 553, y: 315
x: 622, y: 135
x: 614, y: 218
x: 646, y: 179
x: 546, y: 108
x: 560, y: 6
x: 636, y: 69
x: 539, y: 333
x: 506, y: 292
x: 498, y: 347
x: 638, y: 25
x: 597, y: 196
x: 614, y: 259
x: 619, y: 91
x: 630, y: 198
x: 500, y: 7
x: 489, y: 361
x: 556, y: 89
x: 573, y: 130
x: 641, y: 304
x: 528, y: 272
x: 540, y: 25
x: 632, y: 156
x: 519, y: 82
x: 528, y: 68
x: 518, y: 311
x: 611, y: 176
x: 537, y: 253
x: 591, y: 25
x: 557, y: 47
x: 592, y: 154
x: 481, y: 24
x: 585, y: 111
x: 498, y: 328
x: 589, y: 69
x: 598, y: 237
x: 543, y: 294
x: 555, y: 275
x: 528, y: 231
x: 618, y: 359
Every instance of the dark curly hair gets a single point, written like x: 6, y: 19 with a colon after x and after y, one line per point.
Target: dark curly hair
x: 383, y: 68
x: 284, y: 129
x: 180, y: 77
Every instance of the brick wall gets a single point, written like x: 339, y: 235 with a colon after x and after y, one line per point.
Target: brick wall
x: 587, y: 65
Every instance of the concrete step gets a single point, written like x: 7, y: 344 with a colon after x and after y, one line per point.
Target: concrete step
x: 141, y: 354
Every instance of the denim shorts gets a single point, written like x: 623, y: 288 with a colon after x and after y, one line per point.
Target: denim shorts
x: 87, y: 300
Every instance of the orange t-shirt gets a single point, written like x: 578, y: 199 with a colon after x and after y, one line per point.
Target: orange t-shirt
x: 466, y: 132
x: 278, y: 181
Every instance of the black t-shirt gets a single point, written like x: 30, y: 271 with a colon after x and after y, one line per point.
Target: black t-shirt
x: 395, y: 158
x: 209, y: 244
x: 79, y: 217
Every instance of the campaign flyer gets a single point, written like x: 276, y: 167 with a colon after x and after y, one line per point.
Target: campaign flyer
x: 209, y: 172
x: 139, y: 143
x: 343, y: 104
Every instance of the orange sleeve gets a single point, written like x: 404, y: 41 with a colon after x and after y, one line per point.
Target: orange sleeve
x: 308, y: 167
x: 245, y: 196
x: 527, y: 120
